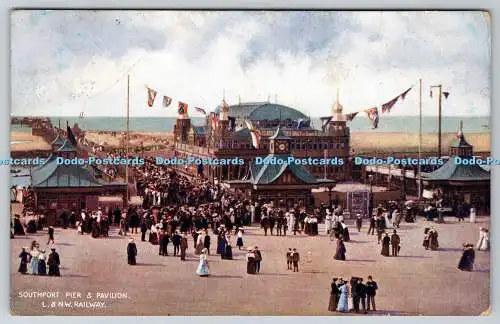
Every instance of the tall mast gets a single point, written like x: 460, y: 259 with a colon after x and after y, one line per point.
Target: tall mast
x: 127, y: 138
x: 419, y: 184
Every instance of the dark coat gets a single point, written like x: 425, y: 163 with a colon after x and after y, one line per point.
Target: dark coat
x: 371, y: 288
x: 131, y: 253
x: 361, y: 290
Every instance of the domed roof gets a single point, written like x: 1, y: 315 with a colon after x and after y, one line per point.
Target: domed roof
x: 270, y: 111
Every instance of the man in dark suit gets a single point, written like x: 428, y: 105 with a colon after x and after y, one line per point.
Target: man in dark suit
x: 372, y: 226
x: 206, y: 242
x: 361, y: 289
x: 163, y: 242
x: 354, y: 294
x: 144, y: 228
x: 371, y: 291
x: 395, y: 240
x: 176, y: 241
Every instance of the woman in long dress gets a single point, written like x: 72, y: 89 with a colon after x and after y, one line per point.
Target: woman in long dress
x: 345, y: 233
x: 221, y: 244
x: 340, y: 251
x: 334, y: 294
x: 466, y: 262
x: 153, y: 235
x: 33, y: 267
x: 131, y: 252
x: 433, y: 239
x: 250, y: 262
x: 239, y: 241
x: 228, y: 252
x: 386, y: 242
x: 42, y: 266
x: 483, y: 244
x: 343, y: 305
x: 199, y: 243
x: 24, y: 256
x: 203, y: 269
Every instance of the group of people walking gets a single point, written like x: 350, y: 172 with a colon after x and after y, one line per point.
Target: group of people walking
x: 33, y: 261
x: 361, y: 294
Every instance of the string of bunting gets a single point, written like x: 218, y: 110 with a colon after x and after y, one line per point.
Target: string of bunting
x: 182, y: 107
x: 373, y: 112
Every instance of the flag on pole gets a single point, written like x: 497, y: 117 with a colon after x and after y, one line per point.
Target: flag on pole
x: 151, y: 96
x: 213, y: 120
x: 325, y: 121
x: 183, y: 107
x: 351, y: 116
x: 300, y: 123
x: 373, y: 116
x: 71, y: 137
x: 201, y: 110
x: 254, y: 133
x: 166, y: 101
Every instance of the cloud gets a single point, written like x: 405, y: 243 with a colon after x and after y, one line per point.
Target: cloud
x: 65, y: 62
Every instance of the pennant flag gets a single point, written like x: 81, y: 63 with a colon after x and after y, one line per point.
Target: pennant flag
x: 183, y: 107
x: 300, y: 122
x: 151, y: 96
x: 373, y: 116
x: 166, y: 101
x: 232, y: 123
x: 201, y: 110
x: 254, y: 133
x: 351, y: 116
x: 213, y: 120
x: 325, y: 121
x: 71, y: 137
x: 446, y: 94
x: 388, y: 105
x: 403, y: 95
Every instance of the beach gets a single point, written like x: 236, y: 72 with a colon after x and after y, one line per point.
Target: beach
x: 361, y: 142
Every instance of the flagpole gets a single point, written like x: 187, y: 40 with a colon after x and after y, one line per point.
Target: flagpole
x: 419, y: 185
x: 127, y: 137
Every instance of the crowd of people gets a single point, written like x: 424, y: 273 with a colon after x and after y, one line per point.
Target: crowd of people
x: 362, y: 294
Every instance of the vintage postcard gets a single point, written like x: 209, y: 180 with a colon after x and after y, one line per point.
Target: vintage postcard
x: 250, y: 162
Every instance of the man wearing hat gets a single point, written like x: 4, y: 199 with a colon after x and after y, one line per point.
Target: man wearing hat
x: 51, y: 235
x: 53, y: 262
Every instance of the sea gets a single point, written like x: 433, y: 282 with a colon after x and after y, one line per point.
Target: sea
x: 359, y: 124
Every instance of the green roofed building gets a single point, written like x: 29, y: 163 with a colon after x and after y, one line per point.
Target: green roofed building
x: 460, y: 182
x: 227, y: 135
x: 63, y: 188
x: 279, y: 180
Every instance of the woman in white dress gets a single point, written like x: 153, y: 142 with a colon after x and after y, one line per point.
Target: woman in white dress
x: 483, y: 244
x: 203, y: 269
x: 33, y: 267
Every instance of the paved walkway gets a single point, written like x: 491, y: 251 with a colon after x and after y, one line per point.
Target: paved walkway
x: 417, y: 282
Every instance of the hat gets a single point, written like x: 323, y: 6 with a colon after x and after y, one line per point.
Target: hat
x: 131, y: 239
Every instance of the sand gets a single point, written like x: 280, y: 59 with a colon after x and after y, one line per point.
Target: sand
x: 371, y: 142
x: 361, y: 142
x: 29, y: 142
x: 147, y: 138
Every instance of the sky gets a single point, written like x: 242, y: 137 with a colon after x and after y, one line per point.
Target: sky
x: 67, y: 62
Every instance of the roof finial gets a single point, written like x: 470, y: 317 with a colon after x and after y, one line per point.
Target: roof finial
x: 269, y: 98
x: 461, y: 126
x: 239, y: 100
x: 224, y: 94
x: 337, y: 94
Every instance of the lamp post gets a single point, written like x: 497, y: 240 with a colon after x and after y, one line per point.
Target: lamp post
x: 370, y: 201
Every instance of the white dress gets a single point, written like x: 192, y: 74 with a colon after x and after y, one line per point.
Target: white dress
x: 483, y: 243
